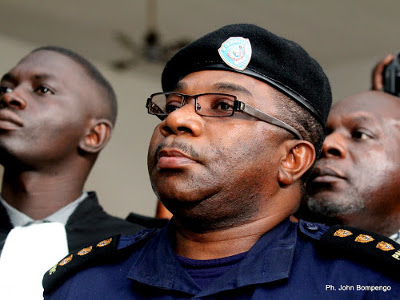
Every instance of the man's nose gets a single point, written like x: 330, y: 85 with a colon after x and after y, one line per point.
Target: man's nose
x: 184, y: 120
x: 334, y: 146
x: 13, y: 99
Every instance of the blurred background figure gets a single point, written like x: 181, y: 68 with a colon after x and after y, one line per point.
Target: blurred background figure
x: 379, y: 74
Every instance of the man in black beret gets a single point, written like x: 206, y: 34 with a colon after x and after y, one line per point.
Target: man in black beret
x: 242, y: 113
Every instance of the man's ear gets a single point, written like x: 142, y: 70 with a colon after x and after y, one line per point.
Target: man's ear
x: 300, y: 156
x: 97, y: 136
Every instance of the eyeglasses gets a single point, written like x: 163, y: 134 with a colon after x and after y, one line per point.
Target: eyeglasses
x: 210, y: 105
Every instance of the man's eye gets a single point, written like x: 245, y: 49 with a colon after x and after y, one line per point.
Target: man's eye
x: 172, y: 106
x: 361, y: 135
x: 5, y: 89
x: 223, y: 106
x: 42, y: 90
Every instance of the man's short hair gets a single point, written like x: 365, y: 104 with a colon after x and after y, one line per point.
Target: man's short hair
x: 304, y: 122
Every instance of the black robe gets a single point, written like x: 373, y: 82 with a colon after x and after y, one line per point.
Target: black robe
x: 88, y: 224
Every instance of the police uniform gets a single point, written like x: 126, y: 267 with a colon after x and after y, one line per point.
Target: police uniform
x: 291, y: 261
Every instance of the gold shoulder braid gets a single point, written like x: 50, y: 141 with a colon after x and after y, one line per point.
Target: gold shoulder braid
x: 99, y: 253
x: 74, y: 262
x: 368, y: 248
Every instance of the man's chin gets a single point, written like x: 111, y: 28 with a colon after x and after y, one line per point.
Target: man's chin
x: 331, y: 205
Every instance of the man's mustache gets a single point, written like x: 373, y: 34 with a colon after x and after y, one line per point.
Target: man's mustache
x: 182, y: 147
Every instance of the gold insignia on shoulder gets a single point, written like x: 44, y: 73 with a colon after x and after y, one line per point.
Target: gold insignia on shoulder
x: 385, y: 246
x: 342, y: 233
x: 85, y: 251
x: 363, y: 238
x: 104, y: 243
x: 66, y: 260
x: 53, y: 269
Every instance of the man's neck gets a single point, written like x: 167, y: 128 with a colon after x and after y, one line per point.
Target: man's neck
x: 39, y: 195
x: 225, y: 242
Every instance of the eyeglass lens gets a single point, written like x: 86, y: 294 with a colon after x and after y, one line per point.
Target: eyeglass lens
x: 211, y: 104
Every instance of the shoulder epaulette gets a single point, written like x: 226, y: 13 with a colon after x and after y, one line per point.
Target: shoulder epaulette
x: 368, y: 248
x: 107, y: 250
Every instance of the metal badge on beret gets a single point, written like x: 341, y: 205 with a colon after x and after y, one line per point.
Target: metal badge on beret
x: 236, y: 52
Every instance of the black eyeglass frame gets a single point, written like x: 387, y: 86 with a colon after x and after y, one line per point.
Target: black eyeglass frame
x: 238, y: 105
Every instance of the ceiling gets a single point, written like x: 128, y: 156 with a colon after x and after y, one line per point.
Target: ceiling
x: 341, y: 35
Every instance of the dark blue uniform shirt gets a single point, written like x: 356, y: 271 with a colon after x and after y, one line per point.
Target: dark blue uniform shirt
x: 284, y: 264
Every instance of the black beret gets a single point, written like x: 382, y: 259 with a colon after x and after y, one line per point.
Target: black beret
x: 279, y: 62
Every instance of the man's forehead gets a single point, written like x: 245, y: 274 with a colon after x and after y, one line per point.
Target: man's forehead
x: 224, y: 81
x: 218, y: 86
x: 52, y: 68
x: 356, y: 118
x: 49, y: 63
x: 373, y: 105
x: 36, y: 75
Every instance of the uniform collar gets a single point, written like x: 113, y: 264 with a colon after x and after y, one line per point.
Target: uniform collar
x: 270, y: 259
